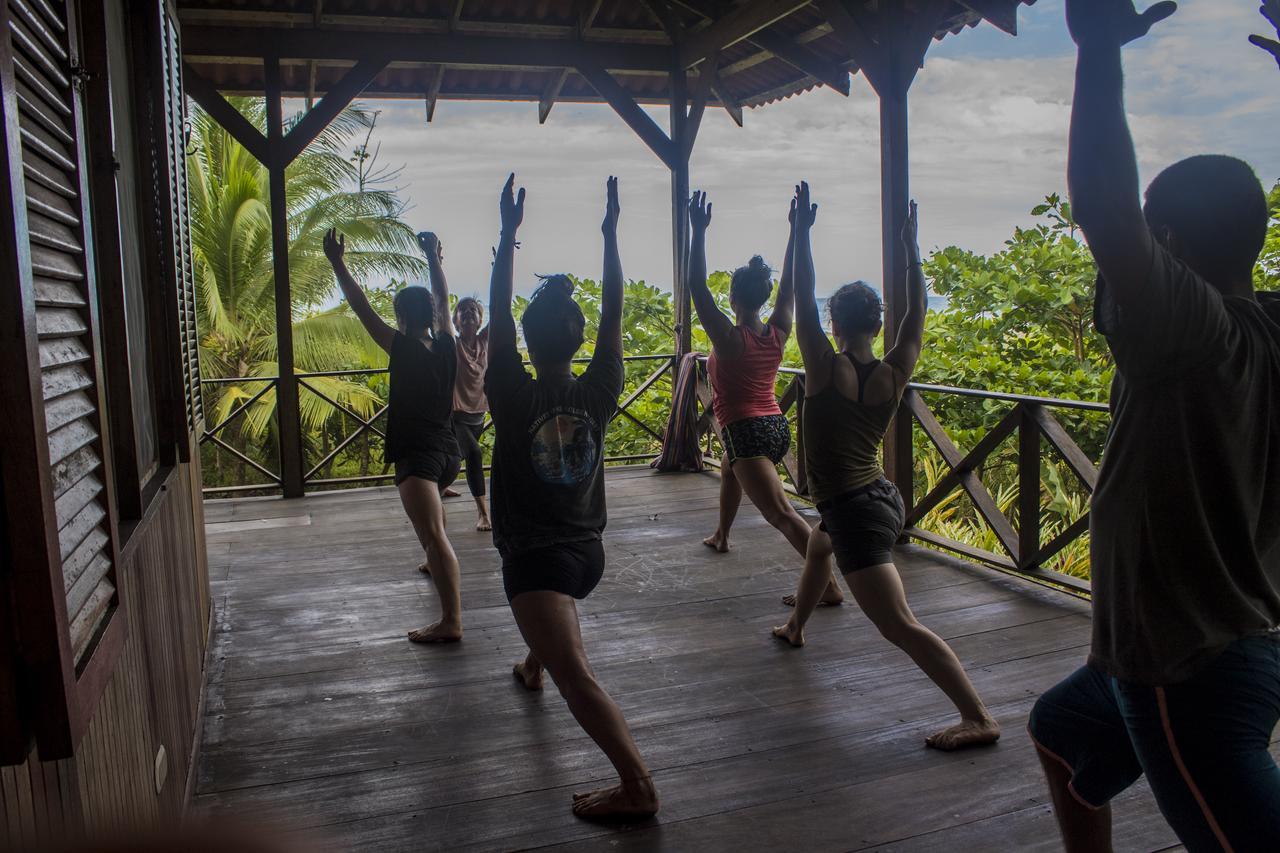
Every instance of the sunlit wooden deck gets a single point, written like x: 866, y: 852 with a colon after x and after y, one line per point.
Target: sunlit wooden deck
x: 319, y: 710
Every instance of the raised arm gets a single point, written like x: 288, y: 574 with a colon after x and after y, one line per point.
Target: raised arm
x: 815, y: 346
x: 609, y: 334
x: 502, y: 324
x: 784, y: 309
x: 434, y: 250
x: 910, y: 339
x: 718, y: 327
x: 1271, y: 11
x: 1102, y: 168
x: 335, y: 246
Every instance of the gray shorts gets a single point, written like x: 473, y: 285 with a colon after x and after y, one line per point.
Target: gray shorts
x: 864, y: 524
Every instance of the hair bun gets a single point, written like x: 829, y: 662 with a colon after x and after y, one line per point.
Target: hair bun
x: 757, y: 264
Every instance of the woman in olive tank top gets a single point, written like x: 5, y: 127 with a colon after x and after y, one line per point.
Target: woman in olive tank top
x: 850, y: 398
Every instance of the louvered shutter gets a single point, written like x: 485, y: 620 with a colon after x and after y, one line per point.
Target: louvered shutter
x: 175, y: 135
x: 52, y: 159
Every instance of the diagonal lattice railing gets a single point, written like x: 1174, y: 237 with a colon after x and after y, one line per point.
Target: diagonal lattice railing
x: 1030, y: 418
x: 369, y: 427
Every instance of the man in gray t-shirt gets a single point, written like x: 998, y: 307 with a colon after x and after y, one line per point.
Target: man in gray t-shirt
x: 1183, y: 678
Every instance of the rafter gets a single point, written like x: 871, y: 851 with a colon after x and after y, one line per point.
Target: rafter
x: 793, y: 53
x: 630, y: 112
x: 699, y: 96
x: 739, y: 24
x: 316, y: 16
x: 456, y: 15
x: 550, y: 93
x: 1000, y: 13
x: 335, y: 101
x: 233, y: 122
x: 455, y: 49
x: 870, y: 56
x: 433, y: 90
x: 587, y: 11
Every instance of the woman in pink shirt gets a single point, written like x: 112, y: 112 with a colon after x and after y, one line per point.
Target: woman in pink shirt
x: 745, y: 356
x: 469, y: 403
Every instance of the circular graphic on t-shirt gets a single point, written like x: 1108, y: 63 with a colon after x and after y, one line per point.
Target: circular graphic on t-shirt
x: 564, y: 451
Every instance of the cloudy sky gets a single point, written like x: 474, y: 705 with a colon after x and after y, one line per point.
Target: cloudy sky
x: 989, y: 117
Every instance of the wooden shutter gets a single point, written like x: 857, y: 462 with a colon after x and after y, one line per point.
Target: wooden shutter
x: 175, y: 121
x: 51, y: 162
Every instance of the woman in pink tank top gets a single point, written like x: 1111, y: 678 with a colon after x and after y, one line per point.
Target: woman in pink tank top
x: 745, y: 356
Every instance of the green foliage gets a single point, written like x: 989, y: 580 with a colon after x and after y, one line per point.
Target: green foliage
x: 1019, y: 321
x: 1266, y: 275
x: 231, y: 245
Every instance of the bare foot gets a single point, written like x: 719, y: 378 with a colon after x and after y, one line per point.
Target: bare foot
x: 450, y: 492
x: 440, y: 632
x: 718, y: 542
x: 965, y: 733
x: 528, y: 675
x: 425, y: 567
x: 827, y: 599
x: 484, y: 525
x: 635, y: 800
x: 794, y: 636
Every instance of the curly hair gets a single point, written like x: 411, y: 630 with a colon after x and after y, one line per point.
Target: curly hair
x: 752, y: 284
x: 553, y: 324
x: 415, y: 308
x: 856, y: 308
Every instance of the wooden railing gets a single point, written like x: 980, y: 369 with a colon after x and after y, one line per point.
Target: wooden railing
x: 1019, y: 538
x: 373, y: 425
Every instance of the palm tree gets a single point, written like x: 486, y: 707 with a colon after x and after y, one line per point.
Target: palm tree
x: 231, y: 246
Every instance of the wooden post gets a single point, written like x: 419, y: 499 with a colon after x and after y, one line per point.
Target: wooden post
x: 1028, y: 488
x: 895, y: 195
x: 680, y: 214
x: 287, y: 414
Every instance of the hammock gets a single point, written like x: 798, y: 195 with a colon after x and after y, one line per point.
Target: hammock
x: 680, y: 450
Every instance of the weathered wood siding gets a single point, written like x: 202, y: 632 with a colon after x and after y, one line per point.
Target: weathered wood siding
x: 151, y: 701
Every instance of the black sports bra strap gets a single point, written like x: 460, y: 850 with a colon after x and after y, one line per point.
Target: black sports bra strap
x: 864, y: 372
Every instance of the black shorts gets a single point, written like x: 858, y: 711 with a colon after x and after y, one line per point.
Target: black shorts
x: 437, y: 466
x: 864, y: 525
x: 573, y: 568
x: 767, y: 437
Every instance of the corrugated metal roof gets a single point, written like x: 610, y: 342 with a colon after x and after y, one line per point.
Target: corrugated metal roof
x: 518, y: 49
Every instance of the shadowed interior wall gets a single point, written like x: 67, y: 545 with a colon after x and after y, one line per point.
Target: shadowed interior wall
x: 152, y: 700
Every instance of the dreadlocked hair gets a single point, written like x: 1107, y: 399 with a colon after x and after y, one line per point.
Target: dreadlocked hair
x: 553, y: 324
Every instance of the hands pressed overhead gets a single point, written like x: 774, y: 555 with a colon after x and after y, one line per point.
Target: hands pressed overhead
x: 1113, y: 22
x: 1271, y: 11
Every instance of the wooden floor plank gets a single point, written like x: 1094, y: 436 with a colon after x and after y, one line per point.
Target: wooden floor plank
x: 321, y: 713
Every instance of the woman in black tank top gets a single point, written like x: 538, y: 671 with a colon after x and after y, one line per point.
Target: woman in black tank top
x: 420, y: 441
x: 850, y: 398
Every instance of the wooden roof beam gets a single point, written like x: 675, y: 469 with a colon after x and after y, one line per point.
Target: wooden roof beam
x: 232, y: 121
x: 449, y: 49
x: 335, y: 101
x: 628, y: 110
x: 790, y: 52
x: 1000, y: 13
x: 699, y: 96
x: 863, y: 49
x: 433, y: 90
x: 549, y: 94
x: 456, y: 15
x: 587, y: 11
x: 739, y: 24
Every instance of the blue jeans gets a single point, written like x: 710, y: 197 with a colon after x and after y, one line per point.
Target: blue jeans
x: 1204, y: 744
